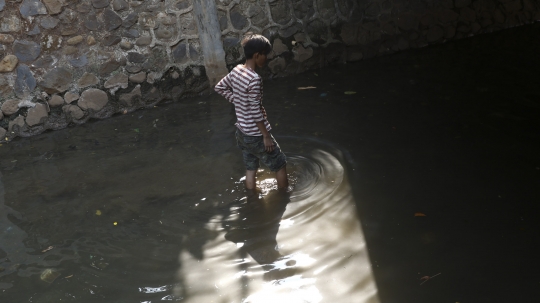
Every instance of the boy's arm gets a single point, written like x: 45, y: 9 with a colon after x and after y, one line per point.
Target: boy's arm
x: 224, y: 88
x: 267, y: 139
x: 254, y: 93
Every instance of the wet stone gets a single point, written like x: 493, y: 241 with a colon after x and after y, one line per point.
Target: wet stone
x: 49, y: 22
x: 90, y: 40
x: 130, y: 20
x: 10, y: 107
x: 70, y: 50
x: 498, y: 16
x: 68, y: 16
x: 132, y: 33
x: 467, y: 14
x: 2, y: 4
x: 16, y: 124
x: 147, y: 21
x: 279, y: 47
x: 26, y: 50
x: 462, y: 3
x: 120, y: 5
x: 238, y: 20
x: 6, y: 39
x: 126, y: 45
x: 75, y: 40
x: 287, y: 32
x: 25, y: 82
x: 143, y: 41
x: 73, y: 111
x: 91, y: 22
x: 87, y: 80
x: 138, y: 78
x: 183, y: 4
x: 435, y: 33
x: 127, y: 99
x: 277, y: 65
x: 56, y: 101
x: 56, y: 80
x: 111, y: 40
x: 31, y: 8
x: 119, y: 79
x: 83, y: 7
x: 8, y: 63
x: 164, y: 34
x: 79, y: 62
x: 100, y: 3
x: 5, y: 88
x: 36, y: 115
x: 93, y: 99
x: 133, y: 69
x: 229, y: 42
x: 407, y: 21
x: 301, y: 54
x: 448, y: 15
x: 71, y: 96
x: 53, y: 6
x: 69, y: 31
x: 109, y: 67
x: 10, y: 23
x: 34, y: 31
x: 43, y: 62
x: 2, y: 130
x: 136, y: 57
x: 111, y: 19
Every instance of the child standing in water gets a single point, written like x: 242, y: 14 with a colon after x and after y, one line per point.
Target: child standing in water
x: 243, y: 87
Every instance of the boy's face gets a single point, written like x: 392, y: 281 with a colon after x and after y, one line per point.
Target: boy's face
x: 260, y: 59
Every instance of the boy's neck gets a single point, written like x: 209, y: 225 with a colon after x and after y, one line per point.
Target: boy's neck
x: 250, y: 63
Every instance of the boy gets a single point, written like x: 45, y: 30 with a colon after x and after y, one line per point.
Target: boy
x: 243, y: 87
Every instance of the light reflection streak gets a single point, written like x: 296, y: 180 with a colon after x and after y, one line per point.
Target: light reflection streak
x: 315, y: 252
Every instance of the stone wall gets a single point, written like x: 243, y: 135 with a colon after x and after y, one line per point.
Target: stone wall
x: 67, y: 61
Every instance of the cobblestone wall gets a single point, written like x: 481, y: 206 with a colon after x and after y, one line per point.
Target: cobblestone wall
x: 67, y: 61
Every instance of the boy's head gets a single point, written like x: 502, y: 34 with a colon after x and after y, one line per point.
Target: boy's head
x: 253, y: 43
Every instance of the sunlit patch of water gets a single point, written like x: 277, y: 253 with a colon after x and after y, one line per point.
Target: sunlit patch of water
x: 304, y: 246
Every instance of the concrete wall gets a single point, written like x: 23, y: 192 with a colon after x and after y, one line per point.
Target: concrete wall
x: 67, y: 61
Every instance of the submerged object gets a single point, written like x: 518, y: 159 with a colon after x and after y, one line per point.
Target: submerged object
x: 49, y: 275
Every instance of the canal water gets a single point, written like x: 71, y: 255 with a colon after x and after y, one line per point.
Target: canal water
x: 414, y: 179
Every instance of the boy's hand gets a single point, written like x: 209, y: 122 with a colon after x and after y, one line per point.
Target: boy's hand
x: 268, y: 144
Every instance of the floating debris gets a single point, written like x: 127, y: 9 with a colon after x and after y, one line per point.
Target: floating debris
x: 350, y: 92
x: 419, y: 215
x: 47, y: 249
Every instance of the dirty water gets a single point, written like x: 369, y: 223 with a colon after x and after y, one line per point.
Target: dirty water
x: 149, y: 206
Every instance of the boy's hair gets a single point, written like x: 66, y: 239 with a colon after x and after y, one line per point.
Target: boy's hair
x: 253, y: 43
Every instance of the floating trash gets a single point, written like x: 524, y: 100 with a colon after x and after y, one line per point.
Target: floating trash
x: 98, y: 212
x: 49, y: 275
x: 350, y: 93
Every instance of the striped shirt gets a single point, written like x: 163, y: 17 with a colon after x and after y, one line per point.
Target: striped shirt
x: 243, y: 88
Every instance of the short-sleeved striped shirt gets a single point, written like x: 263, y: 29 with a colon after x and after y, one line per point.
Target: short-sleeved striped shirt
x: 243, y: 87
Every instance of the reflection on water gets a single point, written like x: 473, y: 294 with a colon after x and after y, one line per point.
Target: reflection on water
x: 302, y: 247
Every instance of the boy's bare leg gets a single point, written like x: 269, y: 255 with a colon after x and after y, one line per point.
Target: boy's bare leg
x: 250, y: 179
x: 281, y: 178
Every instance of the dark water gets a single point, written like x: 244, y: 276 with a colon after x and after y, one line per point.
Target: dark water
x: 149, y: 206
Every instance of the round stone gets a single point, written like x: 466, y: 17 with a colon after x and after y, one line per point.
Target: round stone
x: 8, y: 63
x: 93, y: 99
x: 56, y: 101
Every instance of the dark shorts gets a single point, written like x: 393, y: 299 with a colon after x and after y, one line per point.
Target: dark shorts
x: 253, y: 150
